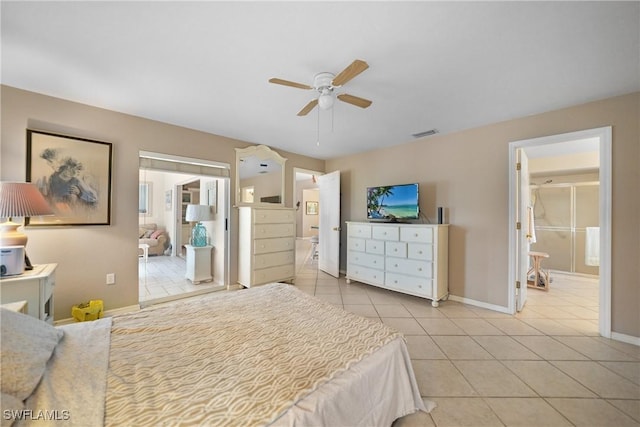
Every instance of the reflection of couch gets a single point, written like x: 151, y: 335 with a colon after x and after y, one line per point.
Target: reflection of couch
x: 155, y: 237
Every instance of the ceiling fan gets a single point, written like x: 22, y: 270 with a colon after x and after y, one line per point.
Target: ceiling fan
x: 325, y: 84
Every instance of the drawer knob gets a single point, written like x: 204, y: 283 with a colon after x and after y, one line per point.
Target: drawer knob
x: 416, y: 235
x: 395, y: 281
x: 420, y: 286
x: 419, y: 269
x: 396, y: 265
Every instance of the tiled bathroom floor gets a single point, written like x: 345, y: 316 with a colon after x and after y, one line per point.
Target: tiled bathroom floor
x: 545, y: 366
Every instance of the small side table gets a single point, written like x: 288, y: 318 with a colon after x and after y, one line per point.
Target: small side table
x: 199, y: 264
x: 145, y: 251
x: 541, y: 278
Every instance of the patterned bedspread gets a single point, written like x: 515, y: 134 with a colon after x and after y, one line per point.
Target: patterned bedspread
x: 239, y: 358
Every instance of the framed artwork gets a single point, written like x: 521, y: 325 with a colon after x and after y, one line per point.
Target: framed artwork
x: 74, y: 176
x: 312, y: 208
x: 168, y: 196
x: 144, y: 198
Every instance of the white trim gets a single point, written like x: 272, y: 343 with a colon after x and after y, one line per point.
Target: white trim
x: 181, y: 159
x: 604, y: 141
x: 629, y: 339
x: 493, y: 307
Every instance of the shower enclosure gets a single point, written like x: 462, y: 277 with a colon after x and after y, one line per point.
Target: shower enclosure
x: 566, y: 220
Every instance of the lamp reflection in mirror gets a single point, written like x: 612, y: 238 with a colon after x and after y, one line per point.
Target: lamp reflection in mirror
x: 199, y: 213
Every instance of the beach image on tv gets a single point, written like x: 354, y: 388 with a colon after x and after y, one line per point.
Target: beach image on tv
x: 393, y: 202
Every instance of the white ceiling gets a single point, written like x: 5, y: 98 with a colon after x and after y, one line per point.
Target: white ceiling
x: 206, y: 65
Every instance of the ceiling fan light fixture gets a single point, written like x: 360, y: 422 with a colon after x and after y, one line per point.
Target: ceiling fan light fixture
x: 325, y: 101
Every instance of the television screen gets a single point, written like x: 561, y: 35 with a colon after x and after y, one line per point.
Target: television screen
x: 392, y: 203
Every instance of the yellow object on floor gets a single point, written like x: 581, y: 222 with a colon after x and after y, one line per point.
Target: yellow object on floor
x: 91, y: 310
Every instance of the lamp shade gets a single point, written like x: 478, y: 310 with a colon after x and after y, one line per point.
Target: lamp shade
x: 19, y: 199
x: 22, y: 199
x: 198, y: 213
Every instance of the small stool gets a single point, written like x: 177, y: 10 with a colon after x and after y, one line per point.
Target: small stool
x: 541, y: 278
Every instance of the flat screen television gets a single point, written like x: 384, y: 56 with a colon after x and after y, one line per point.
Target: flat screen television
x: 393, y: 202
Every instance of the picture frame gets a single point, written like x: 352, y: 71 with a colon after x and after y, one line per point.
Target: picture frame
x: 74, y: 176
x: 145, y: 191
x: 312, y: 208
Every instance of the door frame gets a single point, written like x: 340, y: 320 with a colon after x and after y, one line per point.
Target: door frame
x: 603, y: 134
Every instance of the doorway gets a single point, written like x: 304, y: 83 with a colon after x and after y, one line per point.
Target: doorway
x: 560, y: 146
x: 306, y: 189
x: 177, y: 182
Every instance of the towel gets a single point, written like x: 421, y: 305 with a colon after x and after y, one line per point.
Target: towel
x: 531, y: 230
x: 592, y: 246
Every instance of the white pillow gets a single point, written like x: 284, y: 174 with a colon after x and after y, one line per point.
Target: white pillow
x: 26, y: 346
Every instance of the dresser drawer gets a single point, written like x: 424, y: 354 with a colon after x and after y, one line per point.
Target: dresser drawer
x: 375, y: 247
x: 367, y: 260
x: 396, y: 249
x: 273, y: 259
x: 409, y: 284
x: 273, y: 216
x: 420, y: 251
x: 368, y: 275
x: 409, y: 266
x: 416, y: 234
x: 360, y: 230
x: 355, y: 244
x: 385, y: 233
x: 273, y: 274
x: 277, y: 244
x: 265, y: 231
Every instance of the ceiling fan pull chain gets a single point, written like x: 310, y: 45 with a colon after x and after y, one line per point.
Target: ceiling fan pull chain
x: 318, y: 130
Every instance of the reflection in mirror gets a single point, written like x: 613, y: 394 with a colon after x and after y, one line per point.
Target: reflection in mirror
x: 259, y: 176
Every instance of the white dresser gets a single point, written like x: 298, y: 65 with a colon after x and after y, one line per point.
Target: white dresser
x: 35, y: 287
x: 408, y: 258
x: 266, y: 245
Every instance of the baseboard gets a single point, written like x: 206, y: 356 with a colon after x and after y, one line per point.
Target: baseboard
x: 629, y: 339
x: 480, y: 304
x: 107, y: 313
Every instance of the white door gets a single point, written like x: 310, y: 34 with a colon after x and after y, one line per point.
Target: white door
x: 524, y: 234
x: 329, y: 233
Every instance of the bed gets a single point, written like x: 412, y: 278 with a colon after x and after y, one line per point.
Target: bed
x: 269, y: 355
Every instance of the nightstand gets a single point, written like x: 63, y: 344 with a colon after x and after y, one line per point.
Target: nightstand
x: 199, y: 263
x: 33, y: 286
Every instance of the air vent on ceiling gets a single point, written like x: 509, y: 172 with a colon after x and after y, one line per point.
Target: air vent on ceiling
x: 425, y: 133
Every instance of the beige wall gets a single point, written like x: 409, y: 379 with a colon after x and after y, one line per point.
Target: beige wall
x: 86, y: 254
x: 467, y: 173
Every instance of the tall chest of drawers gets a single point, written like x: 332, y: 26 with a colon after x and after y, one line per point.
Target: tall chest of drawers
x: 408, y: 258
x: 266, y: 245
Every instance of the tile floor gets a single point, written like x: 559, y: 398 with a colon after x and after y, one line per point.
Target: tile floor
x: 546, y: 366
x: 162, y: 278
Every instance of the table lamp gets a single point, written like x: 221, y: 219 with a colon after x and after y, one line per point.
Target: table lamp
x: 19, y: 199
x: 198, y: 213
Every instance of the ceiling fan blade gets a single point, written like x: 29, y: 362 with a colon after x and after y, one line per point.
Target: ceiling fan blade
x: 354, y: 100
x: 350, y: 72
x: 307, y: 108
x: 288, y: 83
